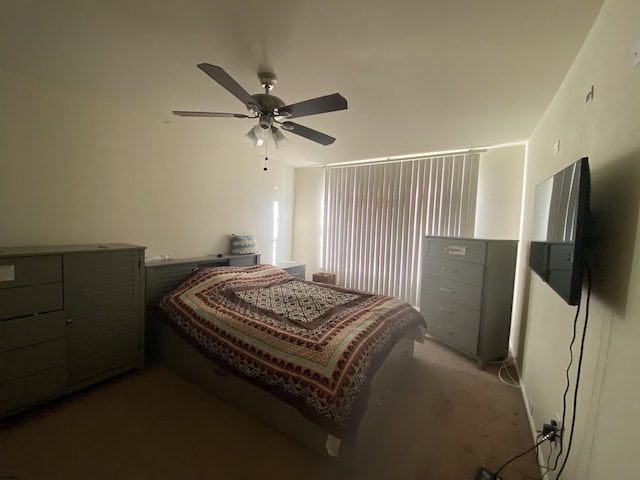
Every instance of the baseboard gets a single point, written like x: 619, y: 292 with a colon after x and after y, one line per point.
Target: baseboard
x: 525, y: 398
x: 542, y: 461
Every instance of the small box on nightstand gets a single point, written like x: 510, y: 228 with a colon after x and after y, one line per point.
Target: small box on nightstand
x: 324, y: 277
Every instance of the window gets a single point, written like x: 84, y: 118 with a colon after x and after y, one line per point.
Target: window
x: 376, y: 216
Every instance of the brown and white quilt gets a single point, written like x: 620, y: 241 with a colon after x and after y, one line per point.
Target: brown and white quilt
x: 314, y: 346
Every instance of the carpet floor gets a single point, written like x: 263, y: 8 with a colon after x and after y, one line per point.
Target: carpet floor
x: 446, y: 419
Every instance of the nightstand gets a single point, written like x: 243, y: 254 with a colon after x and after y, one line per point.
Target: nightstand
x: 294, y: 268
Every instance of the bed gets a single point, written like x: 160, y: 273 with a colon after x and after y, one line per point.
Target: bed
x: 315, y: 361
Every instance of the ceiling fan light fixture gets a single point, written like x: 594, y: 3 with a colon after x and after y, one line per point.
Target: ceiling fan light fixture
x: 262, y: 133
x: 251, y: 138
x: 257, y: 136
x: 265, y: 122
x: 278, y: 138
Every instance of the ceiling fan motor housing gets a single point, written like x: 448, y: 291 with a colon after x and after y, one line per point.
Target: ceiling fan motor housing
x: 267, y: 104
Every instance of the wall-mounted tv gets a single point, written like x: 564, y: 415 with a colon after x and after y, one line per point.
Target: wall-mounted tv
x: 560, y: 228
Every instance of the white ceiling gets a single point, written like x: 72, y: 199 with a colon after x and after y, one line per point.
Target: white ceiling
x: 419, y: 75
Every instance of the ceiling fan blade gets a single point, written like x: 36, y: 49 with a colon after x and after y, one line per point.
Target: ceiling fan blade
x: 308, y: 133
x: 328, y: 103
x: 182, y: 113
x: 224, y: 79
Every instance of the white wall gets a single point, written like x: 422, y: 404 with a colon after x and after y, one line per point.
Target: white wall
x: 500, y: 193
x: 607, y: 131
x: 308, y: 220
x: 76, y: 169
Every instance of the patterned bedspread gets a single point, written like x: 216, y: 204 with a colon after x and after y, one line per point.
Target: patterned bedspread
x: 314, y: 346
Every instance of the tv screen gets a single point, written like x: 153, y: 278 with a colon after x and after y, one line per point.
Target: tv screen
x: 560, y: 228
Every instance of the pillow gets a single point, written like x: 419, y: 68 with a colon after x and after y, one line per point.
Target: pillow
x: 243, y: 244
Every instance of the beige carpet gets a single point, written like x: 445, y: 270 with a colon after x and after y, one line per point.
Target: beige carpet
x: 447, y: 419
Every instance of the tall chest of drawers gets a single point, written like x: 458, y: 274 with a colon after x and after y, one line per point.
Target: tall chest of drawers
x: 69, y: 316
x: 467, y: 293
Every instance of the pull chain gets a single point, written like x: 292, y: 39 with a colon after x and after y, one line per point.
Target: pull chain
x: 265, y: 157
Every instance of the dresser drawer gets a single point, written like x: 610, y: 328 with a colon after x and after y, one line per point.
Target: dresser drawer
x: 455, y: 312
x: 26, y: 361
x: 469, y: 295
x: 453, y: 334
x: 25, y: 391
x: 22, y: 271
x: 466, y: 250
x: 29, y: 300
x: 25, y: 331
x: 464, y: 272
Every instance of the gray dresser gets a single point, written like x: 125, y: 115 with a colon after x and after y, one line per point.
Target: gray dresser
x: 467, y: 292
x: 70, y: 316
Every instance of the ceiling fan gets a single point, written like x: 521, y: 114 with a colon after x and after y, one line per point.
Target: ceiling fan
x: 270, y: 110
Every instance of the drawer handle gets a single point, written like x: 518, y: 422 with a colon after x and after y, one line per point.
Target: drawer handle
x: 68, y: 320
x: 450, y: 312
x: 447, y: 290
x: 445, y: 330
x: 453, y: 270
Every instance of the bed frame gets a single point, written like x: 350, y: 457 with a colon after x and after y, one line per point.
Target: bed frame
x: 166, y: 347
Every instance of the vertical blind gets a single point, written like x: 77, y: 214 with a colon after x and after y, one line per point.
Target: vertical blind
x: 377, y: 215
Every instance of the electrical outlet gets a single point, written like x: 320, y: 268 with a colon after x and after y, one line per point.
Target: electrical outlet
x: 553, y: 429
x: 549, y: 430
x: 559, y: 422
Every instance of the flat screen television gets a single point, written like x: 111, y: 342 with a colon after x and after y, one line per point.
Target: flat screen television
x: 560, y: 229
